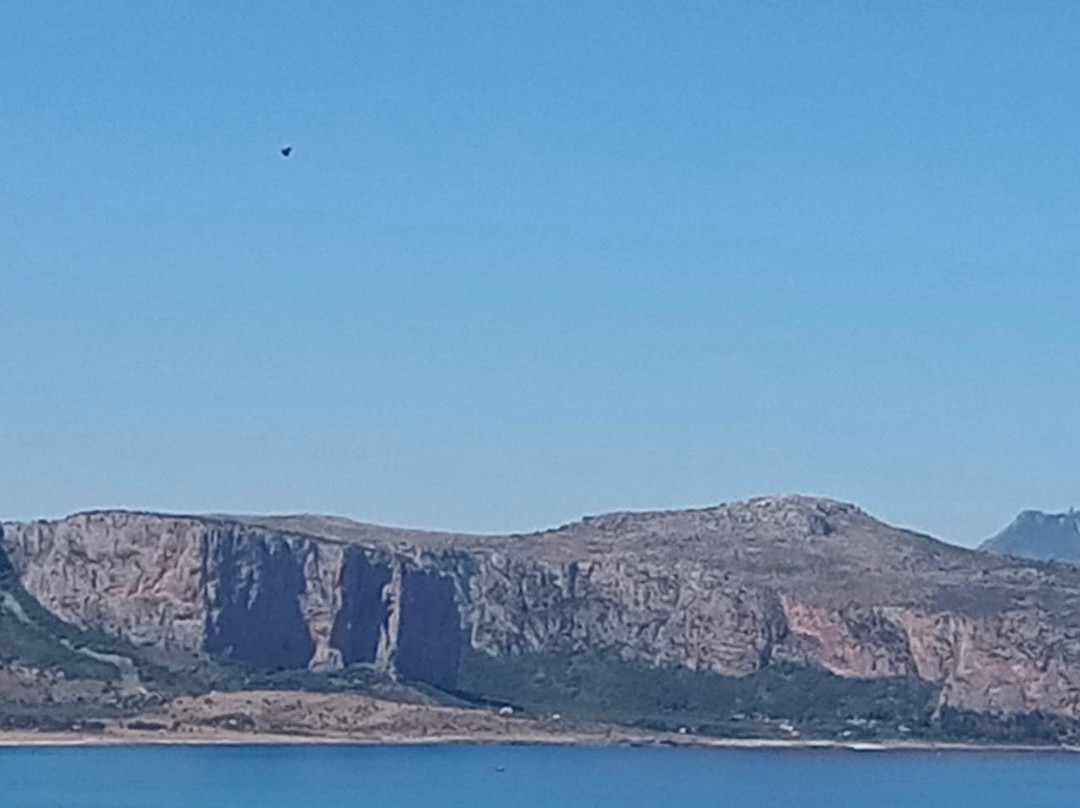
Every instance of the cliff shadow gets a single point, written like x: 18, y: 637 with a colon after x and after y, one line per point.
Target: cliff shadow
x: 364, y: 612
x: 253, y: 587
x: 430, y: 634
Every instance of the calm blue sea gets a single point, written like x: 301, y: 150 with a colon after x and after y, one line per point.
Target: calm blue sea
x: 522, y: 777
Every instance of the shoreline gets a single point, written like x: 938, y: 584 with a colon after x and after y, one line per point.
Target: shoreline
x: 30, y: 739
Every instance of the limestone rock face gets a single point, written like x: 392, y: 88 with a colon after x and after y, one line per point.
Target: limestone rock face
x: 729, y: 589
x: 130, y: 574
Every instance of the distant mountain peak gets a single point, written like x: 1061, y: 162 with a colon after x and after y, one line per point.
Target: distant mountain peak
x: 1037, y: 534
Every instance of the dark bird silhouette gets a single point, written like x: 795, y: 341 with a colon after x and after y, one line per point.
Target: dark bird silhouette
x: 286, y: 151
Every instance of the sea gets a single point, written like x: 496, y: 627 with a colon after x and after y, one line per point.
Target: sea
x: 528, y: 777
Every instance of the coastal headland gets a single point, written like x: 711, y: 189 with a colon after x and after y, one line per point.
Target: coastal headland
x: 784, y: 621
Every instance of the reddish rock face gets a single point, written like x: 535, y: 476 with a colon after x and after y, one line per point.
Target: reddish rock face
x: 729, y: 589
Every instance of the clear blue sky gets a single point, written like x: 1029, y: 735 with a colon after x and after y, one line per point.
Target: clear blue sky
x: 535, y: 260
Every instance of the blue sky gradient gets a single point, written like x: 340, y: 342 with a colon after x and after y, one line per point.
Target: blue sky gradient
x: 535, y: 260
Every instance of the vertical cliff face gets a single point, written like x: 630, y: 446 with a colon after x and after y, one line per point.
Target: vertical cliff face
x: 680, y: 616
x: 253, y: 587
x: 269, y: 599
x: 135, y: 575
x: 403, y: 618
x: 730, y: 590
x: 430, y: 630
x: 365, y: 611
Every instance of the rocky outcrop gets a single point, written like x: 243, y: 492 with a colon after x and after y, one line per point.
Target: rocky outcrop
x: 731, y: 589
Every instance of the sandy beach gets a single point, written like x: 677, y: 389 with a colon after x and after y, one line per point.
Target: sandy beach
x: 120, y: 736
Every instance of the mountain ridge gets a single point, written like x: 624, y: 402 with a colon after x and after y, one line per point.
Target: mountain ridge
x: 784, y: 590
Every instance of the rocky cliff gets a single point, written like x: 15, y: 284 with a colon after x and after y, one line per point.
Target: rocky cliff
x: 734, y: 589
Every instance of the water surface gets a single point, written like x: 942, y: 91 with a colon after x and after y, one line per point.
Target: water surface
x: 527, y: 777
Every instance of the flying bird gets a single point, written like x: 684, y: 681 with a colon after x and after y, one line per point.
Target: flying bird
x: 286, y: 151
